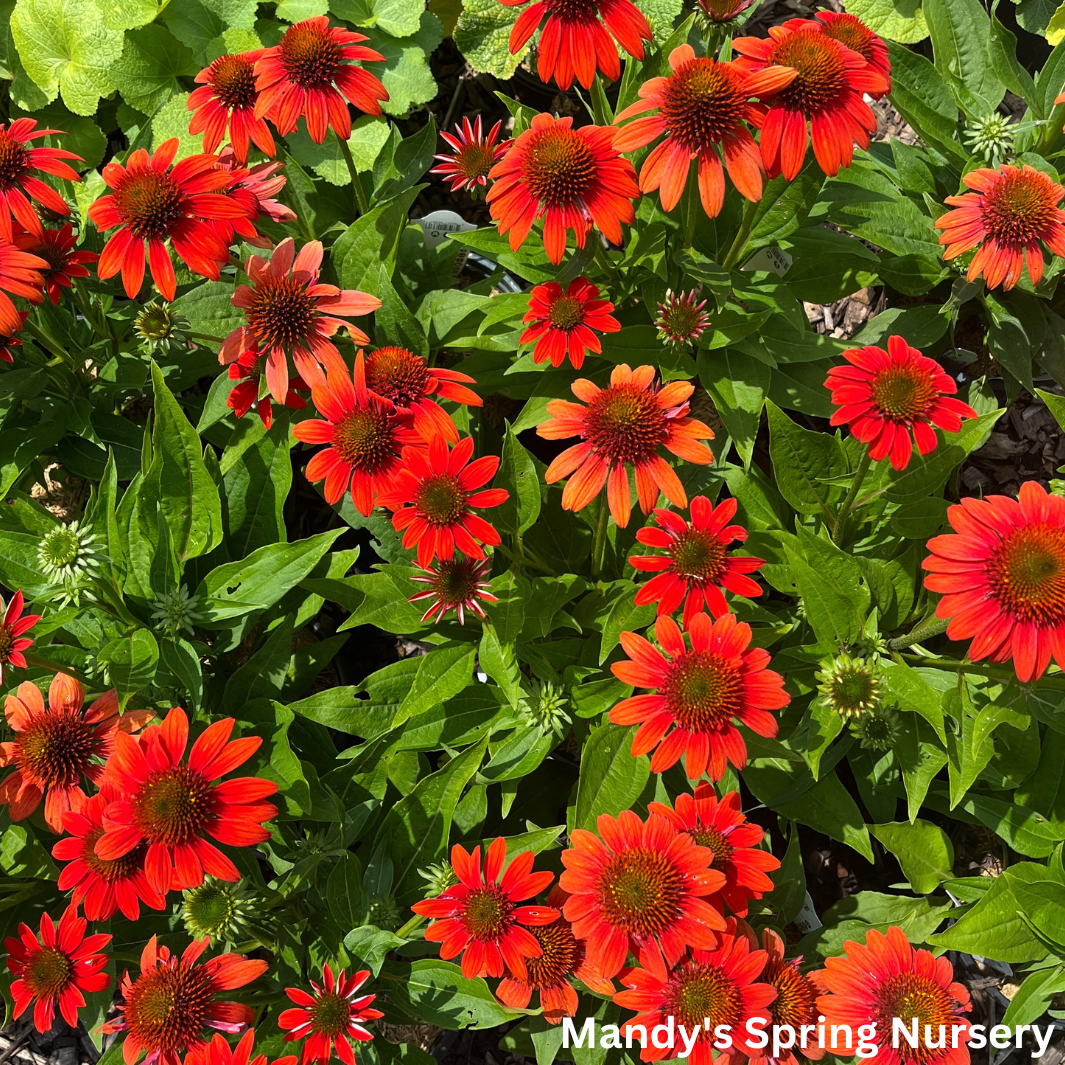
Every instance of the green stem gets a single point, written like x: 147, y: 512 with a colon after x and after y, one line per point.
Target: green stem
x: 524, y: 560
x: 48, y: 343
x: 848, y: 503
x: 919, y: 635
x: 599, y: 546
x: 85, y: 306
x: 411, y: 926
x: 739, y: 245
x: 602, y: 260
x: 361, y: 206
x: 56, y: 667
x: 691, y: 207
x: 205, y: 336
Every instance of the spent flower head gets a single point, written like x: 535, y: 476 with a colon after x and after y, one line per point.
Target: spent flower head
x: 225, y: 912
x: 178, y: 611
x: 158, y: 327
x: 878, y: 730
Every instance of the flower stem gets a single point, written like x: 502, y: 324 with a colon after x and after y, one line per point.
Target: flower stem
x: 599, y: 546
x: 602, y: 260
x: 48, y: 343
x: 739, y: 245
x: 848, y: 503
x: 411, y: 926
x: 919, y: 635
x: 691, y: 207
x: 361, y: 206
x: 205, y: 336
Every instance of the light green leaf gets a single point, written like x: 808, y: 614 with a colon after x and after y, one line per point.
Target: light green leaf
x: 298, y: 10
x: 147, y: 73
x: 172, y: 120
x: 368, y: 136
x: 406, y: 74
x: 611, y: 779
x: 127, y: 14
x: 482, y: 35
x: 924, y: 851
x: 898, y: 20
x: 397, y: 17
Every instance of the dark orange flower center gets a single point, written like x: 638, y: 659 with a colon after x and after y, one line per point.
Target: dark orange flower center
x: 903, y: 393
x: 852, y: 33
x: 909, y: 996
x: 455, y: 580
x: 56, y: 749
x: 794, y: 1003
x: 697, y: 992
x: 111, y: 870
x: 364, y: 440
x: 558, y: 168
x: 489, y: 913
x: 281, y: 313
x: 474, y: 160
x: 149, y: 203
x: 174, y: 806
x: 330, y: 1014
x: 565, y: 312
x: 561, y: 957
x: 310, y: 55
x: 722, y: 10
x: 640, y: 892
x: 625, y: 423
x: 233, y: 80
x: 1019, y: 207
x: 1027, y: 574
x: 48, y: 971
x: 703, y: 691
x: 821, y: 70
x: 7, y: 641
x: 709, y: 837
x: 574, y: 10
x: 54, y: 255
x: 398, y: 375
x: 702, y: 102
x: 14, y: 162
x: 698, y: 557
x: 441, y: 499
x: 166, y: 1008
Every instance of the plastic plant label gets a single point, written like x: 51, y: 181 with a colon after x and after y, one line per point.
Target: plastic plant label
x: 439, y: 225
x: 775, y: 260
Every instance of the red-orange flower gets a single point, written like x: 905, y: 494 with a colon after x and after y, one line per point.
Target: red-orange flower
x: 152, y: 203
x: 456, y: 584
x: 722, y: 828
x: 409, y: 382
x: 884, y: 396
x: 701, y: 108
x: 854, y: 34
x: 173, y: 806
x: 571, y: 178
x: 331, y: 1018
x: 697, y: 568
x: 723, y: 985
x: 481, y: 916
x: 434, y: 494
x: 472, y: 155
x: 697, y: 693
x: 105, y: 887
x: 225, y: 101
x: 311, y: 72
x: 219, y: 1052
x: 365, y: 437
x: 566, y: 322
x: 248, y: 371
x: 576, y: 38
x: 1002, y: 577
x: 1012, y: 215
x: 59, y: 747
x: 827, y: 92
x: 722, y: 10
x: 15, y: 624
x: 21, y: 274
x: 166, y: 1009
x: 54, y: 968
x: 638, y: 884
x: 884, y: 979
x: 18, y: 182
x: 7, y: 342
x: 624, y: 425
x: 562, y: 957
x: 288, y: 311
x: 55, y: 247
x: 255, y: 188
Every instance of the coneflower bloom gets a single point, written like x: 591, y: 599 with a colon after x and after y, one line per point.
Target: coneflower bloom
x: 561, y: 958
x: 364, y: 435
x: 1002, y: 577
x: 7, y: 343
x: 1010, y: 216
x: 434, y: 494
x: 311, y: 72
x: 219, y: 1052
x: 472, y: 155
x: 55, y: 967
x: 722, y: 985
x: 58, y: 747
x: 571, y: 178
x: 698, y: 692
x: 18, y: 181
x: 288, y: 311
x: 624, y: 425
x: 56, y: 249
x: 410, y: 383
x: 331, y: 1018
x: 697, y: 568
x: 225, y: 100
x: 173, y: 805
x: 565, y: 322
x: 21, y: 274
x: 15, y: 624
x: 167, y: 1007
x: 152, y: 203
x: 701, y: 108
x: 104, y: 888
x: 636, y: 883
x: 482, y: 918
x: 576, y: 38
x: 721, y: 827
x: 722, y: 10
x: 885, y: 396
x: 827, y: 92
x: 885, y: 979
x: 456, y: 584
x: 255, y: 188
x: 854, y: 34
x: 248, y: 371
x: 682, y: 318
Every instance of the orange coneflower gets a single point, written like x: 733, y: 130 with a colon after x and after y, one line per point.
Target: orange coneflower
x: 7, y: 343
x: 21, y: 274
x: 472, y: 155
x: 19, y: 184
x: 331, y: 1018
x: 219, y: 1052
x: 698, y: 692
x: 248, y: 372
x: 56, y: 248
x: 255, y: 188
x: 1011, y: 214
x: 15, y: 624
x: 456, y: 584
x: 482, y: 918
x: 854, y: 34
x: 635, y: 884
x: 624, y: 425
x: 571, y: 178
x: 565, y: 322
x: 1002, y: 577
x: 682, y: 318
x: 225, y: 101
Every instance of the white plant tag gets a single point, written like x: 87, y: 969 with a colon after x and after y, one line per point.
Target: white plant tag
x: 807, y: 919
x: 439, y: 225
x: 775, y: 260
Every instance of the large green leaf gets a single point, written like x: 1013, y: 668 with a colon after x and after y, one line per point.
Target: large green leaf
x: 149, y: 70
x: 924, y: 851
x: 611, y: 778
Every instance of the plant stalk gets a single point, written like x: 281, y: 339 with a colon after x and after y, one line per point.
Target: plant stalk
x: 691, y: 205
x: 739, y: 245
x: 599, y: 545
x: 848, y: 504
x: 411, y: 926
x: 48, y: 343
x: 919, y: 635
x: 361, y: 206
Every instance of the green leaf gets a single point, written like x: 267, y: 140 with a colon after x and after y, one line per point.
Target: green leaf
x: 368, y: 136
x: 131, y: 662
x: 397, y: 17
x: 370, y: 241
x: 148, y: 71
x: 172, y: 121
x: 802, y: 461
x: 441, y: 675
x: 482, y: 35
x: 298, y: 10
x: 737, y: 384
x: 517, y: 474
x: 832, y: 588
x: 960, y: 30
x: 924, y: 99
x: 255, y: 488
x: 915, y: 693
x: 611, y: 779
x: 436, y: 992
x: 924, y: 851
x: 898, y: 20
x: 406, y: 75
